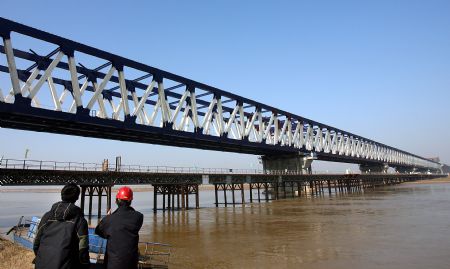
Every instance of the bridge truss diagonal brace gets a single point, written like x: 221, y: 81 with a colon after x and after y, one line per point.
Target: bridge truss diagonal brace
x: 100, y: 88
x: 12, y: 65
x: 34, y: 90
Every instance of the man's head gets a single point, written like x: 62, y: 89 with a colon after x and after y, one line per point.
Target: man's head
x: 70, y: 193
x: 124, y: 196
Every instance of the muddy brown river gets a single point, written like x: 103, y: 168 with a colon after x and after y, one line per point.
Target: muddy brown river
x: 405, y: 226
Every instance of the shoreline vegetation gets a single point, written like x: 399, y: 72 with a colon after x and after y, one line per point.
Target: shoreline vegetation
x: 15, y: 256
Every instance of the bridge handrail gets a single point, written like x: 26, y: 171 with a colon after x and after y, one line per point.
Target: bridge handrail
x: 49, y: 165
x: 42, y: 165
x: 96, y: 167
x: 25, y: 164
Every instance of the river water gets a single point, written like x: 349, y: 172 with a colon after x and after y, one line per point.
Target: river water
x: 403, y: 226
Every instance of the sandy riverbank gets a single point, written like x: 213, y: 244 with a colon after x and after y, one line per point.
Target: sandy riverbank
x: 13, y: 256
x: 434, y: 181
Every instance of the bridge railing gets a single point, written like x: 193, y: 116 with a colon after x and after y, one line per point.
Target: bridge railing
x: 97, y: 167
x: 180, y: 170
x: 48, y: 165
x: 40, y: 165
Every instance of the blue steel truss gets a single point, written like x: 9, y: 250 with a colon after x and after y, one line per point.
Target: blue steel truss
x: 126, y: 100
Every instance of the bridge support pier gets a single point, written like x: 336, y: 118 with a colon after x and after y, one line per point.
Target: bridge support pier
x: 289, y: 189
x: 407, y: 170
x: 268, y: 189
x: 229, y: 188
x: 374, y: 168
x: 172, y: 193
x: 95, y: 190
x: 293, y: 163
x: 299, y: 163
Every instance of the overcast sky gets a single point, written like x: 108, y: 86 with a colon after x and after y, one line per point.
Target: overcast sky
x: 380, y: 69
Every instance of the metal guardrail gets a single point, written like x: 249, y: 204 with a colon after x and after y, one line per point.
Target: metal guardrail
x: 41, y: 165
x: 96, y: 167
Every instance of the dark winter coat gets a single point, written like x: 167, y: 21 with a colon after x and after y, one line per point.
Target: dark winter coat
x: 121, y: 228
x: 62, y: 239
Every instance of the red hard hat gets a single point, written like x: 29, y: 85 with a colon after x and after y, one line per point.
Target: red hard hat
x: 125, y: 193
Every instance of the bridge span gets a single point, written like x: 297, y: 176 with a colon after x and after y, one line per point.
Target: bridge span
x: 94, y: 93
x: 174, y: 185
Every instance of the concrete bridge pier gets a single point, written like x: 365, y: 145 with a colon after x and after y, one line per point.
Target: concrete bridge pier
x: 374, y: 168
x: 99, y: 191
x: 298, y: 163
x: 407, y: 170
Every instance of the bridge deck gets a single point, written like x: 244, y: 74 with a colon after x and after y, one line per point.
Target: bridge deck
x: 29, y: 177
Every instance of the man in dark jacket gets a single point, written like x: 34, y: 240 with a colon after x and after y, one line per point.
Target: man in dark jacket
x: 62, y: 238
x: 121, y: 228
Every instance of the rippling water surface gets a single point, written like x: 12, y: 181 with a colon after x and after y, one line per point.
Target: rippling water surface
x: 405, y: 226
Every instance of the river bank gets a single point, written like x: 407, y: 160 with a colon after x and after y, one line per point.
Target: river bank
x: 434, y: 181
x: 13, y: 256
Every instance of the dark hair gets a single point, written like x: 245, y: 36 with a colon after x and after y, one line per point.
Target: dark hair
x: 70, y: 193
x: 122, y: 203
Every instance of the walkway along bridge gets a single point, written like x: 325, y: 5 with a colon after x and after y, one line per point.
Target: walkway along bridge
x: 176, y: 184
x: 61, y: 86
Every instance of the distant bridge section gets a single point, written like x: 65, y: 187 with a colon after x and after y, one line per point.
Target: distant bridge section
x: 446, y: 169
x: 52, y: 84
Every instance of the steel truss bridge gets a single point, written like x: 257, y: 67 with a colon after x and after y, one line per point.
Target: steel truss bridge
x: 60, y: 86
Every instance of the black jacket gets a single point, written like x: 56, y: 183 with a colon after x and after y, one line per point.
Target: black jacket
x: 62, y: 239
x: 121, y: 228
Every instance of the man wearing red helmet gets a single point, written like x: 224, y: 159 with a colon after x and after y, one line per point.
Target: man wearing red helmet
x: 121, y: 229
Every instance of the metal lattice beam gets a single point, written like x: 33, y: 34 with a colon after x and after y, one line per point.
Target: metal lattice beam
x: 160, y: 107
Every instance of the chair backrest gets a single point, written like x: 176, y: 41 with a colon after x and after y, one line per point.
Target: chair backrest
x: 34, y: 223
x: 96, y: 243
